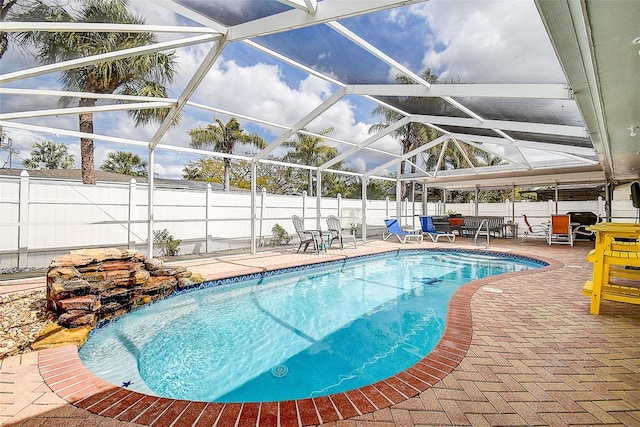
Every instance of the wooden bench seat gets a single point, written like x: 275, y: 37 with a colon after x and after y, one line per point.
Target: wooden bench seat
x: 617, y: 257
x: 495, y: 224
x: 628, y: 294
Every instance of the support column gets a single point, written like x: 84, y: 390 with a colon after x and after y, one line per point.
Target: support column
x: 386, y: 199
x: 304, y: 208
x: 513, y: 204
x: 364, y: 208
x: 130, y: 217
x: 23, y: 220
x: 476, y: 201
x: 318, y: 200
x: 253, y: 208
x: 263, y: 198
x: 150, y: 205
x: 207, y: 218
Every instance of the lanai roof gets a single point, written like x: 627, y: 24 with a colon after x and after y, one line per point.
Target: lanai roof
x: 568, y: 119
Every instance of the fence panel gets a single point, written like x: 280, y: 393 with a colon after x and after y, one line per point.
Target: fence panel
x: 65, y: 215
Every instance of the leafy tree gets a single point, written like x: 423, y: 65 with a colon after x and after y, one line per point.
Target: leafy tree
x: 125, y: 163
x: 48, y: 155
x: 223, y: 139
x: 205, y: 169
x: 311, y: 151
x: 145, y: 74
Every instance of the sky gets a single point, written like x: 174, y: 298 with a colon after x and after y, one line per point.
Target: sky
x: 469, y: 41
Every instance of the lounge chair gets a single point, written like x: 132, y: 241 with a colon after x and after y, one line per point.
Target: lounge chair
x: 335, y: 232
x: 561, y: 231
x: 308, y: 237
x: 534, y: 231
x: 430, y: 230
x: 394, y: 229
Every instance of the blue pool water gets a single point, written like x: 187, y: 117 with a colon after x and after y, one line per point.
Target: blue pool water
x: 291, y: 335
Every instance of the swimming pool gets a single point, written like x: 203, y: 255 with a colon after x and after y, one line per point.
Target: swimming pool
x: 290, y: 335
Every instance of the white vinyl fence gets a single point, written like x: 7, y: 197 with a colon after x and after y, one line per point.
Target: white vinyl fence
x: 43, y: 218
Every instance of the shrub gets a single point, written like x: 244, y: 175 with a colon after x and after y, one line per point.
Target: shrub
x: 170, y: 245
x: 280, y: 236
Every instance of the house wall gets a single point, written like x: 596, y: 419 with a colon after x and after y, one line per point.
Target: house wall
x: 43, y: 218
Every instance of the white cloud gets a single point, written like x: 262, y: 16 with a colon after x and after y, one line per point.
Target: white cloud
x: 490, y: 42
x: 168, y: 171
x: 359, y: 164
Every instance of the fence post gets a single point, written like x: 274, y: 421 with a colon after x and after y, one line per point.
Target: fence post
x: 132, y: 207
x: 601, y: 208
x: 23, y: 220
x: 364, y: 209
x: 304, y: 206
x: 339, y: 197
x: 386, y: 207
x: 263, y: 195
x: 405, y: 211
x: 207, y: 216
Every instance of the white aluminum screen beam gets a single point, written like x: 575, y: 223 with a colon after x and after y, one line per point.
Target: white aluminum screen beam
x: 70, y: 94
x: 325, y: 105
x: 309, y: 6
x: 439, y: 163
x: 281, y: 126
x: 505, y: 125
x: 236, y: 115
x: 54, y: 131
x: 191, y: 14
x: 408, y: 155
x: 567, y: 24
x: 544, y: 146
x: 97, y: 27
x: 495, y: 153
x: 464, y: 154
x: 518, y: 178
x: 293, y: 63
x: 345, y: 32
x: 328, y: 10
x: 191, y: 87
x: 373, y: 138
x: 79, y: 110
x: 519, y: 149
x: 536, y: 91
x: 95, y: 59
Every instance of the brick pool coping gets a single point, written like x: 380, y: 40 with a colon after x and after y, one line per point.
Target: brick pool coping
x: 63, y: 372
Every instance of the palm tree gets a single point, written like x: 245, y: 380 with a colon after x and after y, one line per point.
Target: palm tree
x: 145, y: 74
x: 412, y: 135
x: 223, y: 139
x: 311, y: 151
x: 48, y: 155
x: 125, y: 163
x: 5, y: 5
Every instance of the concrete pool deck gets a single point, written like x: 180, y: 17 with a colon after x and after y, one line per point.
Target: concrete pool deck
x: 530, y: 355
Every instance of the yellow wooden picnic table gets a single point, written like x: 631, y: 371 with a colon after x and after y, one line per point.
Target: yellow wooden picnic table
x: 617, y: 246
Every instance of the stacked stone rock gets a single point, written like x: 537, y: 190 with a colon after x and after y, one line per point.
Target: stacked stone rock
x: 89, y: 286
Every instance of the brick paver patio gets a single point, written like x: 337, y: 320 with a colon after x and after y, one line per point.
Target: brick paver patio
x: 535, y: 357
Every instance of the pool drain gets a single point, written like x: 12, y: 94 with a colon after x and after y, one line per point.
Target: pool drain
x: 279, y: 371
